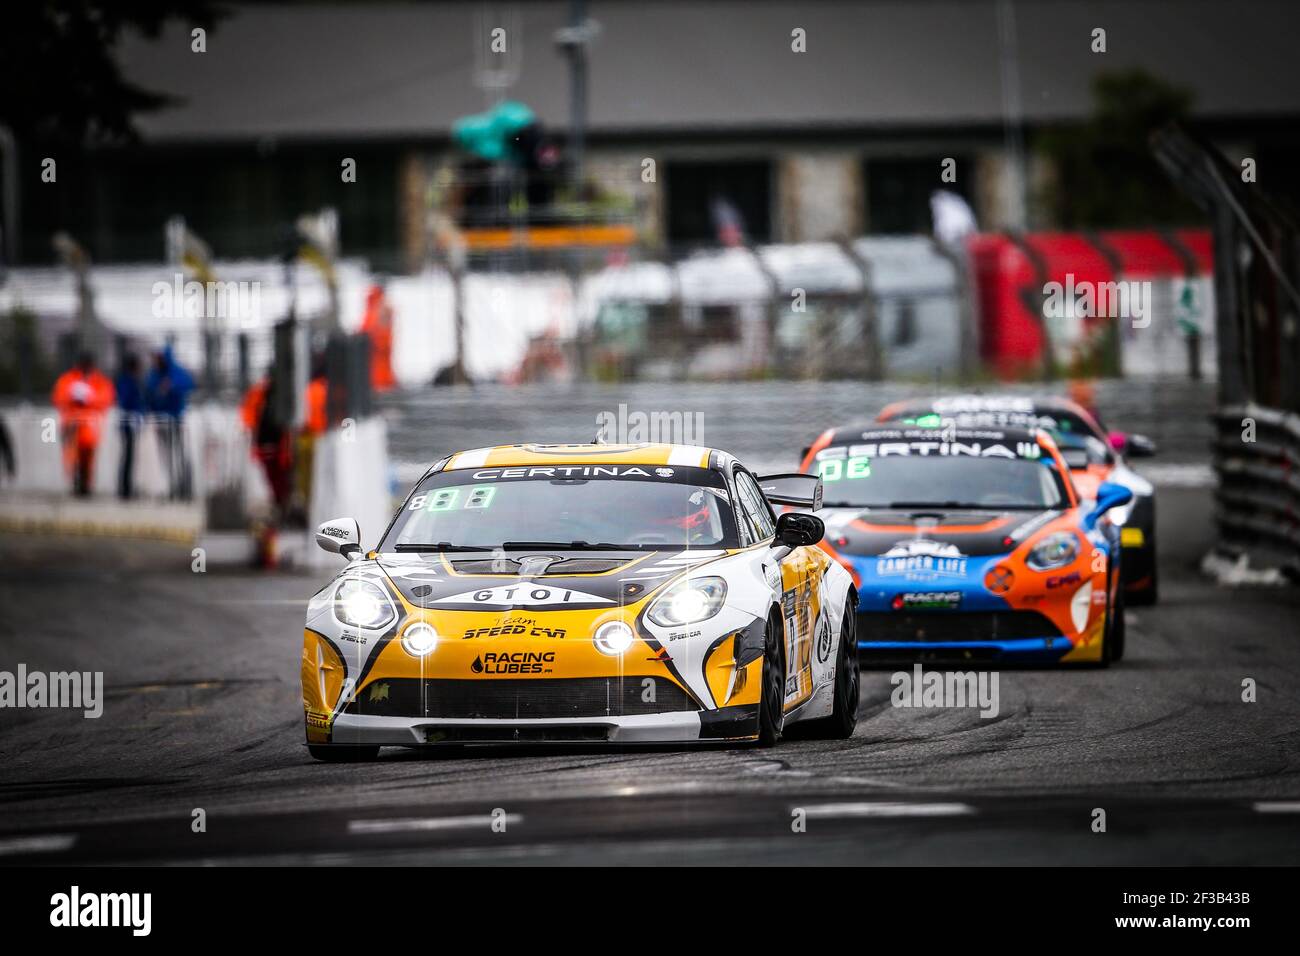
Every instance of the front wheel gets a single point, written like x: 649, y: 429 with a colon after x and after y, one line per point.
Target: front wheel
x: 1142, y: 564
x: 1151, y: 593
x: 848, y: 681
x: 771, y: 705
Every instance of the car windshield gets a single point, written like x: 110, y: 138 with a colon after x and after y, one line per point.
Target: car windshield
x: 640, y: 507
x: 932, y: 481
x: 1080, y: 451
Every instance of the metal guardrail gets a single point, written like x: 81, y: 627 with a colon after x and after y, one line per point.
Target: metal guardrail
x: 1257, y: 300
x: 1257, y: 502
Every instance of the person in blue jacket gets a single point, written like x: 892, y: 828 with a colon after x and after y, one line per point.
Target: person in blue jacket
x: 166, y: 391
x: 130, y: 404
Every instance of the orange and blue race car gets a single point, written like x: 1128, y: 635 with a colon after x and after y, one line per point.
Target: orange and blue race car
x: 971, y: 544
x: 1094, y: 454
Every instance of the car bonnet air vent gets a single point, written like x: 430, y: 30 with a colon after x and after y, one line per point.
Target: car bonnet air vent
x: 555, y: 567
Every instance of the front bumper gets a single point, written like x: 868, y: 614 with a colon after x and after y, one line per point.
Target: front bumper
x: 999, y: 625
x: 727, y: 724
x: 1027, y: 650
x: 1002, y: 635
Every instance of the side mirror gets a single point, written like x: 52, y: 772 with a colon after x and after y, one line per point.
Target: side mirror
x: 1109, y: 495
x: 340, y: 536
x: 797, y: 530
x: 1139, y: 446
x: 797, y: 490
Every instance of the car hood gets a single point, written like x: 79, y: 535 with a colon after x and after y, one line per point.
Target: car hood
x: 536, y: 580
x: 973, y: 533
x: 1088, y: 480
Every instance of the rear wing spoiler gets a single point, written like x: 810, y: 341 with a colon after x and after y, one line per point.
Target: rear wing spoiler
x: 799, y: 491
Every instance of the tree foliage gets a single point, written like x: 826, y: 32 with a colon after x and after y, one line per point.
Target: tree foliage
x: 58, y: 69
x: 1106, y: 176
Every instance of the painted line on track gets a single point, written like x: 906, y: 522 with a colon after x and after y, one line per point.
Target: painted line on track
x: 1276, y: 806
x: 428, y: 824
x: 42, y: 843
x: 880, y: 809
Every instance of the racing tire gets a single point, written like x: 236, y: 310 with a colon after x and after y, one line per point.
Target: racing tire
x: 771, y: 702
x: 342, y: 753
x: 1145, y: 561
x: 1117, y: 629
x: 848, y: 687
x: 1149, y: 595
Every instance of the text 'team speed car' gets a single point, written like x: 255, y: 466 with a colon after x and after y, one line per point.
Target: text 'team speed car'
x: 970, y: 544
x: 582, y: 593
x: 1093, y: 454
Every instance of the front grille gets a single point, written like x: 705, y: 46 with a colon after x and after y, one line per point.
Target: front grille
x: 943, y: 626
x: 510, y: 699
x: 585, y: 565
x: 486, y: 565
x: 489, y: 734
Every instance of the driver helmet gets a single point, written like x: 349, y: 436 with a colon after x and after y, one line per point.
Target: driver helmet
x: 695, y: 514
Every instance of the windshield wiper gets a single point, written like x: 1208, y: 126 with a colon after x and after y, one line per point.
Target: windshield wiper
x: 568, y: 546
x: 441, y: 546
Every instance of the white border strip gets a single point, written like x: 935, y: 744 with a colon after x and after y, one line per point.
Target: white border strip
x: 476, y: 458
x: 688, y: 456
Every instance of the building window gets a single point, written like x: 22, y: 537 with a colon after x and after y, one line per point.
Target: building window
x: 898, y: 191
x: 706, y: 202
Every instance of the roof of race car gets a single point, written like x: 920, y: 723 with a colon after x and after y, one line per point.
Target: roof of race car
x: 976, y: 404
x: 506, y: 456
x: 878, y: 432
x: 983, y: 403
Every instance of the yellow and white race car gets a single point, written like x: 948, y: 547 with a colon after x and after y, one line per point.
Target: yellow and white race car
x: 586, y: 594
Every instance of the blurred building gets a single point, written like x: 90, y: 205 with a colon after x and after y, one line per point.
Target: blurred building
x: 843, y: 139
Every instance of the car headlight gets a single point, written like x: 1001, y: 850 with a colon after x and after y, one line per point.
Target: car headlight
x: 363, y: 604
x: 613, y: 638
x: 1054, y: 551
x: 420, y: 639
x: 688, y: 601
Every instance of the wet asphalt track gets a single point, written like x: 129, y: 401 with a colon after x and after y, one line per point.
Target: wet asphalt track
x: 202, y: 712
